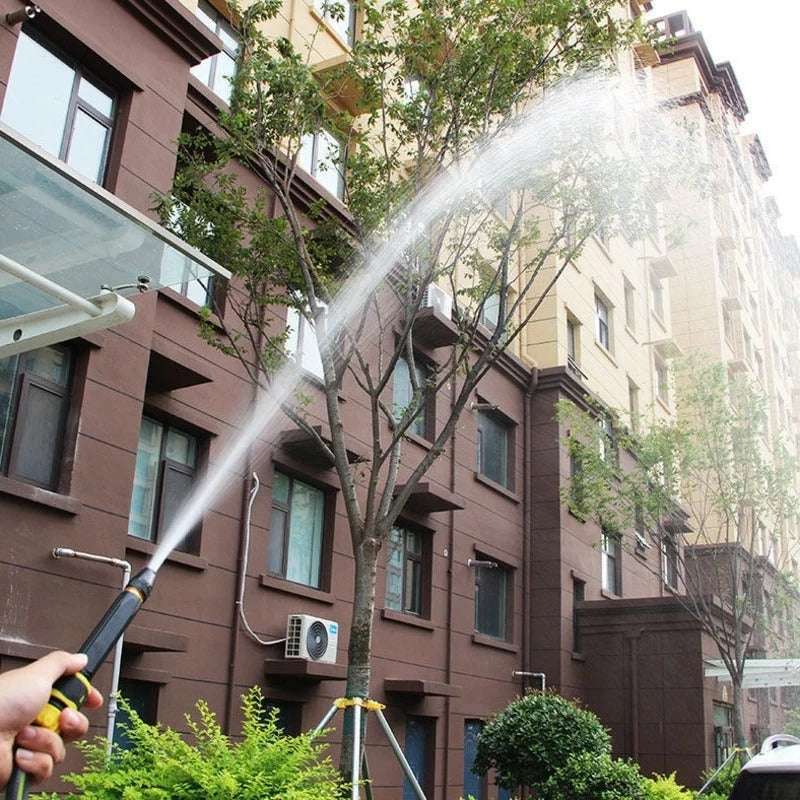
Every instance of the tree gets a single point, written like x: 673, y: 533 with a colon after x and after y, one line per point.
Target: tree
x: 710, y: 475
x: 425, y: 85
x: 534, y: 738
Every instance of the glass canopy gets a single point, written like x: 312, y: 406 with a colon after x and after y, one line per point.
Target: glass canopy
x: 69, y: 249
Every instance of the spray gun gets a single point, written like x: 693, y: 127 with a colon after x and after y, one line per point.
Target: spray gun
x: 72, y: 690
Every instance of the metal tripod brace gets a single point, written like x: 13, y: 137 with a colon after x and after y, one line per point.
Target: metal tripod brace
x: 357, y: 703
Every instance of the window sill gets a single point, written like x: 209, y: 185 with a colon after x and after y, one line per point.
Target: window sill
x: 406, y: 619
x: 418, y: 440
x: 489, y: 641
x: 135, y: 545
x: 43, y: 497
x: 497, y: 487
x: 189, y: 305
x: 576, y: 656
x: 298, y: 589
x: 606, y: 352
x: 610, y: 595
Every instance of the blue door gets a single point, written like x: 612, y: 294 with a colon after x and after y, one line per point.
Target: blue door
x: 472, y: 782
x: 416, y: 754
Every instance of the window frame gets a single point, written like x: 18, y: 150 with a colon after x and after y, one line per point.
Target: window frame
x: 602, y: 317
x: 309, y: 159
x: 74, y: 104
x: 611, y: 563
x: 508, y: 426
x: 304, y: 342
x: 422, y: 425
x: 160, y: 513
x: 670, y: 561
x: 423, y: 562
x: 325, y: 536
x: 23, y: 381
x: 223, y: 29
x: 345, y: 28
x: 503, y: 614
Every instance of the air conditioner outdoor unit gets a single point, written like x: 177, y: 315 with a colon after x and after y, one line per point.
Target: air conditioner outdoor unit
x: 435, y: 297
x: 311, y: 638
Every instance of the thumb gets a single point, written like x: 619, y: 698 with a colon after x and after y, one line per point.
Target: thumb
x: 52, y: 666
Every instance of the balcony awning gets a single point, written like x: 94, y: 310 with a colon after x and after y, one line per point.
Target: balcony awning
x: 70, y: 251
x: 759, y: 673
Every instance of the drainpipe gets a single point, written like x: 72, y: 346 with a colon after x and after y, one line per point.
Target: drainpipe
x: 68, y: 552
x: 517, y: 673
x: 527, y: 527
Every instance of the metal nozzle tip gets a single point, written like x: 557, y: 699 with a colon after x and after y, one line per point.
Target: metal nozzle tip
x: 143, y: 581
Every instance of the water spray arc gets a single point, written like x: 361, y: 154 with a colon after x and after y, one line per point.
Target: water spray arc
x: 72, y: 690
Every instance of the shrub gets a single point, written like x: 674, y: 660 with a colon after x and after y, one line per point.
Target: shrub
x: 595, y: 776
x: 665, y: 787
x: 263, y: 765
x: 722, y: 784
x: 535, y: 736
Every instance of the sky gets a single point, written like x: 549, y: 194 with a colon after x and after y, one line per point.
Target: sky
x: 760, y: 41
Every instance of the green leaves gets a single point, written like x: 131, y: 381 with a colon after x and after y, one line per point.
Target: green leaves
x: 264, y: 764
x: 535, y: 736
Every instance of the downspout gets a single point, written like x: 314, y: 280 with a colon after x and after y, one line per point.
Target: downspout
x: 448, y: 701
x: 527, y: 526
x: 241, y: 577
x: 68, y: 552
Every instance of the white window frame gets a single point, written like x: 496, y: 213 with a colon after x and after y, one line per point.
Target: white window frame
x: 314, y: 156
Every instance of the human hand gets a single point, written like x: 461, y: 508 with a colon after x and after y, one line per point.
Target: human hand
x: 24, y: 692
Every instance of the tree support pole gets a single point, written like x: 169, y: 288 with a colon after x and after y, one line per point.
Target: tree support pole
x: 357, y: 703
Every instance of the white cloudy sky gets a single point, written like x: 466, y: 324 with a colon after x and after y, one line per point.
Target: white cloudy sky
x: 761, y: 42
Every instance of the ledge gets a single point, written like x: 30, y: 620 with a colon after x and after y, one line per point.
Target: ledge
x: 406, y: 619
x: 303, y: 670
x: 434, y: 329
x: 418, y: 686
x: 175, y: 557
x: 488, y: 641
x: 42, y: 497
x: 301, y: 445
x: 138, y: 639
x: 299, y: 589
x: 427, y: 498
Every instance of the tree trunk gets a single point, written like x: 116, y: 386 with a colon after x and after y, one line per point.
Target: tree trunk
x: 739, y: 733
x: 359, y: 649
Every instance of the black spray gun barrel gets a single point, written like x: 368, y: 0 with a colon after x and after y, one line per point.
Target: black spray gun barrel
x: 72, y: 690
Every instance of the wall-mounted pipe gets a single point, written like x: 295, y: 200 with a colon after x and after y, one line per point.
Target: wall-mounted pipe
x: 473, y: 562
x: 518, y: 673
x: 120, y: 563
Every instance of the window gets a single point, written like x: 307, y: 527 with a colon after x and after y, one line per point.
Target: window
x: 640, y: 531
x: 142, y: 697
x: 52, y: 101
x: 609, y: 450
x: 495, y: 437
x: 657, y: 296
x: 302, y: 344
x: 492, y: 587
x: 404, y: 395
x: 633, y: 405
x: 340, y: 17
x: 662, y: 379
x: 602, y: 320
x: 669, y: 561
x: 577, y: 487
x: 490, y: 312
x: 630, y: 305
x: 610, y: 563
x: 574, y: 347
x: 217, y: 71
x: 404, y: 571
x: 296, y: 531
x: 322, y: 155
x: 34, y: 401
x: 578, y: 596
x: 166, y: 463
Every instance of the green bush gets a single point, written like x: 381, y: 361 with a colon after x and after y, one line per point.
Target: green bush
x: 264, y: 765
x: 535, y: 736
x: 665, y: 787
x: 595, y: 776
x: 722, y: 784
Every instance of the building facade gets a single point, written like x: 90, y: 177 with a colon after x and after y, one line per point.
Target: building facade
x: 492, y: 586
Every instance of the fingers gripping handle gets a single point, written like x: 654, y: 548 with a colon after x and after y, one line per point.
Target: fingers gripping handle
x: 68, y: 692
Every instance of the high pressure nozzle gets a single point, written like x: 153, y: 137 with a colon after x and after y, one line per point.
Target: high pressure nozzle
x: 72, y: 690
